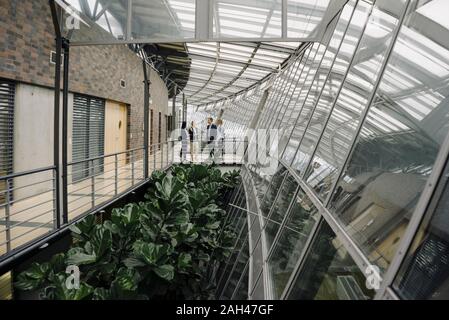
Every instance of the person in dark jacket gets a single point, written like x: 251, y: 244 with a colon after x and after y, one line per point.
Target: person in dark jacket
x: 193, y: 140
x: 211, y: 136
x: 184, y: 141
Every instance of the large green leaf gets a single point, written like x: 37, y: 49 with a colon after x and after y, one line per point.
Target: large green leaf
x: 81, y: 258
x: 184, y: 260
x: 33, y: 278
x: 179, y: 217
x: 60, y: 291
x: 101, y: 241
x: 127, y: 279
x: 81, y: 231
x: 152, y: 254
x: 166, y: 272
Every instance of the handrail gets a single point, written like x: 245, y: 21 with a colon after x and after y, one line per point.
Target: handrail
x: 104, y: 156
x: 28, y: 172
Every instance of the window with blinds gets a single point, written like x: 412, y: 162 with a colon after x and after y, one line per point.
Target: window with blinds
x: 88, y: 135
x: 7, y: 94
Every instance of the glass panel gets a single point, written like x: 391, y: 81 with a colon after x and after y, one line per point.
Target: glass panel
x: 354, y: 97
x: 286, y: 95
x: 156, y: 19
x: 260, y: 19
x: 258, y: 293
x: 280, y: 208
x: 329, y: 273
x: 163, y: 19
x: 327, y: 84
x: 398, y: 145
x: 425, y: 271
x: 241, y: 293
x: 239, y: 267
x: 257, y: 260
x: 290, y: 245
x: 225, y: 270
x: 304, y: 16
x: 273, y: 190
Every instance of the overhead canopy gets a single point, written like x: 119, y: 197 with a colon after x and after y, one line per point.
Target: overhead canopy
x: 158, y: 21
x: 222, y: 70
x: 211, y: 49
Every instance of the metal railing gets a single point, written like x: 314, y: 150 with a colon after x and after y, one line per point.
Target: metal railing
x: 29, y: 201
x: 27, y: 207
x: 101, y: 179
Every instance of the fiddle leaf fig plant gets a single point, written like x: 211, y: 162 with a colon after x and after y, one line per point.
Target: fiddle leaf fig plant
x: 159, y: 248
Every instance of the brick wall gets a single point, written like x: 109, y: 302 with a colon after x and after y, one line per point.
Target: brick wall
x: 27, y: 38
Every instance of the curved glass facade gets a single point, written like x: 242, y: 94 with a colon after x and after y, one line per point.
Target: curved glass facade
x: 361, y: 117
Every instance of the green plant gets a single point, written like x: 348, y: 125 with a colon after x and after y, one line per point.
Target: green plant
x: 161, y: 248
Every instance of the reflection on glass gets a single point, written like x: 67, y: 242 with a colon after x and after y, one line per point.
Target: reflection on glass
x: 326, y: 87
x: 329, y: 273
x: 239, y: 267
x: 280, y: 207
x: 425, y: 271
x: 156, y: 19
x: 258, y: 292
x: 290, y: 245
x: 257, y: 260
x: 163, y: 19
x: 241, y: 293
x: 288, y: 96
x: 354, y: 96
x: 225, y: 269
x: 273, y: 190
x: 304, y: 16
x: 260, y: 19
x: 397, y: 147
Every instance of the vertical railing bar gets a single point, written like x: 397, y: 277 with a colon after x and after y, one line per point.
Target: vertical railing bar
x: 162, y: 154
x: 55, y: 201
x: 132, y: 168
x: 154, y: 157
x: 92, y: 182
x: 116, y: 174
x: 7, y: 219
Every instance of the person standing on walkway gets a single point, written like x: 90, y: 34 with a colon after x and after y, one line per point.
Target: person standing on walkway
x: 220, y: 138
x: 193, y: 139
x: 184, y: 141
x: 211, y: 136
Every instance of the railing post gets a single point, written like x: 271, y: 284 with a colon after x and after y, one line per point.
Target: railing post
x: 132, y: 168
x: 234, y: 151
x: 116, y: 174
x: 168, y: 161
x: 162, y: 155
x: 154, y: 157
x: 55, y: 197
x: 92, y: 182
x: 146, y: 120
x: 7, y: 218
x: 173, y: 151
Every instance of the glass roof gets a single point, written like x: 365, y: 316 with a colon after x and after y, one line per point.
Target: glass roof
x: 221, y: 70
x: 157, y: 21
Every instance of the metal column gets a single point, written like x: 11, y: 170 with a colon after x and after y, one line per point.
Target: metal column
x: 56, y: 119
x: 146, y: 120
x: 173, y: 120
x: 65, y: 125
